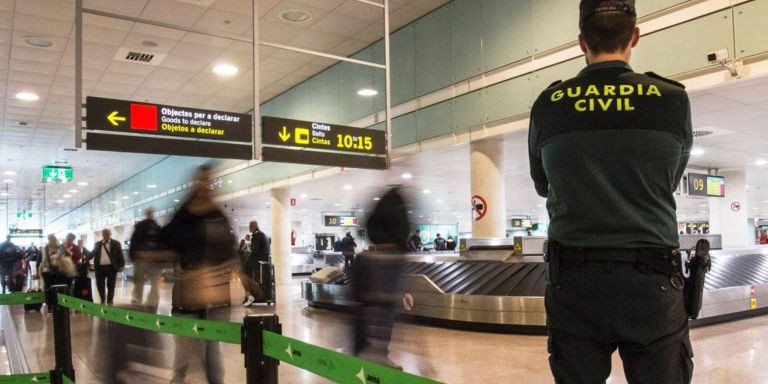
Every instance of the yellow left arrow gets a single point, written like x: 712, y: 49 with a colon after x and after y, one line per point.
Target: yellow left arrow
x: 114, y: 118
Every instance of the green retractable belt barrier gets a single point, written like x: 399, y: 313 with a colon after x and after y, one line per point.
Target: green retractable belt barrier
x: 22, y: 298
x: 334, y: 365
x: 195, y: 328
x: 29, y: 378
x: 67, y: 380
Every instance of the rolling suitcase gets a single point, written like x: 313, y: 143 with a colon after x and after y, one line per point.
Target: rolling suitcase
x: 81, y: 288
x: 265, y: 279
x: 30, y: 280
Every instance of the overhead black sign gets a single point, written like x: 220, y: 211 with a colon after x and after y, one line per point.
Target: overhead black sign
x: 315, y: 135
x: 706, y: 185
x: 23, y: 232
x: 339, y: 221
x: 166, y: 120
x: 304, y: 142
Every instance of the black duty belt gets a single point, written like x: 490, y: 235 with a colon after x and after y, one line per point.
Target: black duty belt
x: 614, y: 255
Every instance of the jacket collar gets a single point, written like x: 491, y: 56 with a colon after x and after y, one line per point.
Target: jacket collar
x: 616, y: 64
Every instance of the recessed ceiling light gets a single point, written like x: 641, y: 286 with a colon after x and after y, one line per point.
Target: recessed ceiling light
x: 151, y: 186
x: 38, y: 41
x: 295, y: 15
x: 347, y: 187
x: 9, y: 173
x: 407, y: 175
x: 410, y: 211
x: 67, y: 196
x: 73, y: 191
x: 421, y: 217
x: 135, y: 192
x: 360, y: 210
x: 4, y: 194
x: 426, y: 191
x: 175, y: 200
x: 8, y: 181
x: 697, y: 151
x: 761, y: 162
x: 303, y: 196
x: 60, y: 201
x: 27, y: 96
x: 376, y: 198
x: 126, y: 197
x: 82, y: 184
x: 336, y: 205
x: 367, y: 92
x: 225, y: 69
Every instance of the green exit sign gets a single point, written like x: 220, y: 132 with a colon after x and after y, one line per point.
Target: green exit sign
x: 57, y: 174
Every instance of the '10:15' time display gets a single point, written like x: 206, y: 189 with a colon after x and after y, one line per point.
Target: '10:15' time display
x: 354, y: 142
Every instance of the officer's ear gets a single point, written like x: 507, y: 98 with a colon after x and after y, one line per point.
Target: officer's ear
x: 583, y: 44
x: 635, y: 37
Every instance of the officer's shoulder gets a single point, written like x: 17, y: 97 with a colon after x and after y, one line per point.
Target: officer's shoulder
x: 665, y: 80
x: 555, y: 84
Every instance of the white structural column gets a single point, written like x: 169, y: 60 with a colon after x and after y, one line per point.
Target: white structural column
x: 488, y: 188
x: 729, y: 216
x: 281, y: 235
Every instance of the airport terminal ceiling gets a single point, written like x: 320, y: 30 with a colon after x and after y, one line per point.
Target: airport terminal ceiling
x: 37, y: 57
x: 40, y: 132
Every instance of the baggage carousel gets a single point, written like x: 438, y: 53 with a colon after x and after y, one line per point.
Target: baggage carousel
x: 499, y: 285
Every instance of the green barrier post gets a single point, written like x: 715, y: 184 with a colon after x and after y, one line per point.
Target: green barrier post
x: 62, y: 338
x: 259, y: 368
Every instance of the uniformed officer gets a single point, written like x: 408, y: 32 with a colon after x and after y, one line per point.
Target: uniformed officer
x: 607, y: 149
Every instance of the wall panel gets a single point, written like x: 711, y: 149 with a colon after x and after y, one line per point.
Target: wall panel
x: 506, y: 32
x: 466, y: 38
x: 684, y: 47
x: 435, y: 120
x: 433, y: 52
x: 751, y: 28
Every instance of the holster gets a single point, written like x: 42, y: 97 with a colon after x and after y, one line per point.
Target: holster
x: 552, y: 262
x: 698, y: 264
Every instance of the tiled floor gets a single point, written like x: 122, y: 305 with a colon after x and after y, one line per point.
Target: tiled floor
x: 730, y: 353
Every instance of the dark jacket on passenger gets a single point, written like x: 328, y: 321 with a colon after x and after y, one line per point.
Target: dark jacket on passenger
x: 608, y: 149
x: 348, y: 245
x: 115, y: 254
x: 259, y: 249
x: 146, y: 237
x: 200, y: 240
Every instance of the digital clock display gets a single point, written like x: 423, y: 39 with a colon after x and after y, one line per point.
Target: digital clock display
x: 322, y: 136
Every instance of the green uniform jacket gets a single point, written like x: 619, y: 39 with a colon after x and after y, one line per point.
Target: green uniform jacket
x: 608, y: 149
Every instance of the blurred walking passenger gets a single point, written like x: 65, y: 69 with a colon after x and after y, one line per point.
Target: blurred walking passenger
x: 72, y: 250
x: 201, y: 236
x: 9, y: 256
x: 259, y: 251
x: 57, y: 267
x: 348, y: 246
x: 377, y: 278
x: 146, y: 246
x: 450, y: 243
x: 108, y: 260
x: 414, y: 242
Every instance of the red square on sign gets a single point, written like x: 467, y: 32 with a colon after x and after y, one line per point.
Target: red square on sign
x: 144, y: 117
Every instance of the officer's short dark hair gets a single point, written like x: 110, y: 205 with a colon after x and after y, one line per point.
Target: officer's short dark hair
x: 608, y: 32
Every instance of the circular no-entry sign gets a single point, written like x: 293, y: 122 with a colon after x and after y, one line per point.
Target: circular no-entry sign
x: 735, y: 206
x: 479, y: 207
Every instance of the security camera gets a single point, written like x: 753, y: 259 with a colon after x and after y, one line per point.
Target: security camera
x: 721, y: 56
x: 718, y: 57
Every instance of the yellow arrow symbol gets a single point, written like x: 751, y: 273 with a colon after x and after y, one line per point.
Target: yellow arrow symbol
x: 284, y: 135
x: 114, y: 118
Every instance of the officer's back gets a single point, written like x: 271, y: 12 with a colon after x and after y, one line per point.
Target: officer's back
x: 607, y: 149
x: 612, y: 145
